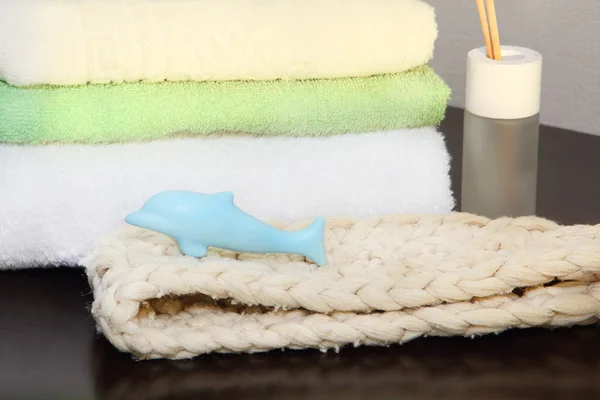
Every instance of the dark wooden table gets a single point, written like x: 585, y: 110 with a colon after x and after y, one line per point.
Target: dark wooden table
x: 49, y: 348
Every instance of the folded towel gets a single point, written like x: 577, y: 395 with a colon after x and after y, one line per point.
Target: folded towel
x: 75, y: 42
x: 57, y: 200
x: 389, y: 279
x: 143, y: 111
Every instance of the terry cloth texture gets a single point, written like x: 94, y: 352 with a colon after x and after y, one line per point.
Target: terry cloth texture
x: 146, y: 111
x: 98, y: 41
x: 389, y: 279
x: 56, y: 200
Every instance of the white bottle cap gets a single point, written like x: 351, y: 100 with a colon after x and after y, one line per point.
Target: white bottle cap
x: 504, y: 89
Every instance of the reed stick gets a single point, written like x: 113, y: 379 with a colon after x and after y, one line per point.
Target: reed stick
x: 485, y: 28
x: 493, y: 22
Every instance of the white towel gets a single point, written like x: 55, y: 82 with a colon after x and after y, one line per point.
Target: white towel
x: 56, y: 201
x: 73, y: 42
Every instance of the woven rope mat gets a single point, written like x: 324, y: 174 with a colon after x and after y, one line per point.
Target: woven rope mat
x: 389, y: 280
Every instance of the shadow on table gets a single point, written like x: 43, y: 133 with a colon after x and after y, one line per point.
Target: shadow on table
x: 536, y: 364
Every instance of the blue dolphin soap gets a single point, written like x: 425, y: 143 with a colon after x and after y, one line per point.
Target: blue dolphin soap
x: 197, y: 221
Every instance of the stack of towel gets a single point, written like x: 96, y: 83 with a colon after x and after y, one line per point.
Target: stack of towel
x: 301, y: 108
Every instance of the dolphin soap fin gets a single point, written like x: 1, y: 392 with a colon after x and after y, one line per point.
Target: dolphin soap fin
x: 192, y: 249
x: 314, y: 242
x: 226, y: 197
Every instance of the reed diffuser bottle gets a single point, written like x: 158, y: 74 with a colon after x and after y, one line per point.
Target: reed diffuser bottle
x: 501, y: 130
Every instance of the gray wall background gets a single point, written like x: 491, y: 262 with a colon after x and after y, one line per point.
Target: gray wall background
x: 566, y: 32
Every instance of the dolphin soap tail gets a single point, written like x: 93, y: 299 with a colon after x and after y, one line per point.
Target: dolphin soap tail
x: 312, y: 243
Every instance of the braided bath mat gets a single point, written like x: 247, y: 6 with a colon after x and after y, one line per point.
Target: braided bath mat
x: 389, y: 280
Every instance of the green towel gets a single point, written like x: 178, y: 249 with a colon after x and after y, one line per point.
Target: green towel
x: 146, y: 111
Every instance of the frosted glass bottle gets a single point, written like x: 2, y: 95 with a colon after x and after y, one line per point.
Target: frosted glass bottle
x: 501, y: 133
